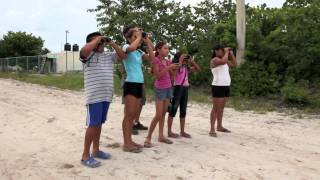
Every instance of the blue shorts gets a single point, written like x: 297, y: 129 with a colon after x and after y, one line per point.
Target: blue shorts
x: 163, y: 94
x: 97, y: 113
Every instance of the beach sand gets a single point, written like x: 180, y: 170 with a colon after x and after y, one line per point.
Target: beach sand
x: 42, y: 132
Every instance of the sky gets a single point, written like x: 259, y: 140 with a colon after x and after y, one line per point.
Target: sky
x: 49, y: 19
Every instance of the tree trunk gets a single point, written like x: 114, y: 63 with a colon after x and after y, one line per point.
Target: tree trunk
x: 241, y: 30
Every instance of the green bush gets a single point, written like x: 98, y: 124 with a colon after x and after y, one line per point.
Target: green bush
x: 296, y: 95
x: 254, y: 79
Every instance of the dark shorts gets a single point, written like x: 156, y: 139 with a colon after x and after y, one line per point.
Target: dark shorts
x: 220, y: 91
x: 134, y: 89
x: 143, y: 99
x: 97, y: 113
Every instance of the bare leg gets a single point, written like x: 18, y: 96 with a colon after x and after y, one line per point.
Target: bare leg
x: 220, y: 116
x: 138, y: 115
x: 182, y: 127
x: 162, y: 118
x: 215, y: 114
x: 213, y: 117
x: 91, y: 133
x: 131, y: 103
x: 170, y: 133
x: 154, y: 121
x: 96, y: 141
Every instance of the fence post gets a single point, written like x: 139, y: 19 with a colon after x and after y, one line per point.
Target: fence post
x: 7, y: 65
x: 27, y: 64
x: 16, y: 64
x: 39, y: 63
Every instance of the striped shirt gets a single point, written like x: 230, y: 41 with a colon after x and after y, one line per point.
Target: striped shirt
x: 98, y: 77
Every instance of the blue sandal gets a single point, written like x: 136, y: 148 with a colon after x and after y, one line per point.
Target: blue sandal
x: 102, y: 155
x: 91, y: 163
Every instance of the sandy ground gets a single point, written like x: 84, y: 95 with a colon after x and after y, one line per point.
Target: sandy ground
x: 42, y: 131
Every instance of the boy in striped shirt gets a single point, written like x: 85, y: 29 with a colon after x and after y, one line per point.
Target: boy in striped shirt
x: 98, y: 85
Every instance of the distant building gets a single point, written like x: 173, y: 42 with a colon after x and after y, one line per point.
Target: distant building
x: 73, y: 62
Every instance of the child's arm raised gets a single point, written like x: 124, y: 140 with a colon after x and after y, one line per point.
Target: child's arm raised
x: 233, y: 62
x: 150, y: 48
x: 120, y: 53
x: 136, y: 43
x: 195, y: 66
x: 221, y: 61
x: 89, y: 47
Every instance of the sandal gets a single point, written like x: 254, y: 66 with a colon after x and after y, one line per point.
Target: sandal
x: 213, y: 134
x: 132, y: 150
x: 138, y: 146
x: 102, y: 155
x: 148, y: 144
x: 91, y: 163
x: 166, y: 141
x: 224, y: 130
x: 173, y: 135
x: 185, y: 135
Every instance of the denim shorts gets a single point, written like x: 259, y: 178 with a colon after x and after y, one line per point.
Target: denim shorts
x: 163, y: 94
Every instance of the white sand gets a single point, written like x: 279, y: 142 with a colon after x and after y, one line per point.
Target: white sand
x: 42, y: 131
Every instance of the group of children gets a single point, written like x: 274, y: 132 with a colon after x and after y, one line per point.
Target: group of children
x: 171, y: 88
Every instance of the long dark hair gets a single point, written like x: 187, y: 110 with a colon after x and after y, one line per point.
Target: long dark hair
x: 159, y: 45
x: 128, y: 32
x: 216, y: 48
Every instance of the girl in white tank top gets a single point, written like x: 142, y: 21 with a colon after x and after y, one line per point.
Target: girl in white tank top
x: 221, y: 76
x: 222, y: 59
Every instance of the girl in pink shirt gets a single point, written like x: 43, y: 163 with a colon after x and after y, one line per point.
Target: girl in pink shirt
x: 162, y: 69
x: 180, y: 94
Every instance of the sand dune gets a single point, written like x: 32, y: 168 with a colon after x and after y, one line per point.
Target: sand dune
x: 42, y: 130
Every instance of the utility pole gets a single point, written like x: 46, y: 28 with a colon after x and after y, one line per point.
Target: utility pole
x: 67, y: 32
x: 241, y: 30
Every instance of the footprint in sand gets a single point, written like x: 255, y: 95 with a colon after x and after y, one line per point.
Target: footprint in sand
x: 156, y: 151
x: 109, y: 138
x: 113, y: 145
x: 51, y: 119
x: 67, y: 166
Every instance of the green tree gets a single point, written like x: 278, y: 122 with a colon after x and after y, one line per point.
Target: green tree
x: 20, y: 44
x: 166, y: 20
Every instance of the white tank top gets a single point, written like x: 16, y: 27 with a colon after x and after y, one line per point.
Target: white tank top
x: 221, y: 76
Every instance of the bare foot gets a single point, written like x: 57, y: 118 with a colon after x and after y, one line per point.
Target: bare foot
x: 222, y: 129
x: 147, y: 144
x: 213, y: 134
x: 165, y: 140
x: 186, y: 135
x: 137, y: 145
x: 173, y: 135
x: 132, y: 149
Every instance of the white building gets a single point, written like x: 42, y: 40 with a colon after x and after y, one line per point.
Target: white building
x: 72, y: 59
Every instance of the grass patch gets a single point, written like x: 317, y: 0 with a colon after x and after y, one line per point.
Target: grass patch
x: 74, y: 81
x: 71, y: 81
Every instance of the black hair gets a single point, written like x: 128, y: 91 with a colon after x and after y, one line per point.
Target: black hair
x: 91, y: 35
x: 216, y: 48
x: 128, y: 31
x: 159, y: 46
x: 176, y: 57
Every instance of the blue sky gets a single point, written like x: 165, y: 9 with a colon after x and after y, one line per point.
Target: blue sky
x: 50, y: 18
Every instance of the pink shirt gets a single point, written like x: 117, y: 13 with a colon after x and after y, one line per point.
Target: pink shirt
x: 164, y: 81
x: 181, y: 74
